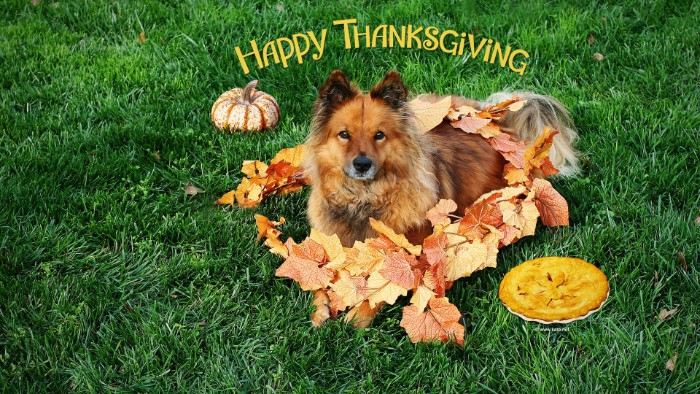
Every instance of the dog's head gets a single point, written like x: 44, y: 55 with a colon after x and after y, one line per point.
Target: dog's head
x: 360, y: 134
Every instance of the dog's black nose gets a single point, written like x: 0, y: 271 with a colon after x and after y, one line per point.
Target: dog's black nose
x: 362, y: 163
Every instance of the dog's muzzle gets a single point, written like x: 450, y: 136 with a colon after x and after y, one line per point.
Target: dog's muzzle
x: 361, y: 168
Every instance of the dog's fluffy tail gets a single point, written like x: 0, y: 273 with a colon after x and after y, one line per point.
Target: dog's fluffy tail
x: 541, y: 111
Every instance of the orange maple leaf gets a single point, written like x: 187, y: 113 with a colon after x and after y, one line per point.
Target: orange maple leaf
x: 434, y: 248
x: 434, y: 278
x: 537, y: 154
x: 265, y: 225
x: 513, y: 151
x: 439, y: 214
x: 267, y: 229
x: 398, y: 239
x: 470, y: 124
x: 305, y: 265
x: 439, y: 323
x: 351, y: 289
x: 282, y: 176
x: 361, y: 259
x: 381, y: 289
x: 397, y: 269
x: 514, y: 175
x: 479, y: 219
x: 521, y: 214
x: 554, y: 211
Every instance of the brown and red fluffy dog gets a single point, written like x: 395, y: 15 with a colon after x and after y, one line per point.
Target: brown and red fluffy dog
x: 368, y: 158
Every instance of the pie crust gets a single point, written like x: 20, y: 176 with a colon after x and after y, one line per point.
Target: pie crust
x: 554, y: 289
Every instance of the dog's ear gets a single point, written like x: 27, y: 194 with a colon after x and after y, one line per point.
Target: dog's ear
x: 391, y: 89
x: 336, y: 90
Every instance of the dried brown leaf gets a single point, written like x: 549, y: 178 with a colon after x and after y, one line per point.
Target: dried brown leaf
x: 666, y: 314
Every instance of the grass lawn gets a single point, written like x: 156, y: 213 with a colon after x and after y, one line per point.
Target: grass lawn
x: 112, y: 279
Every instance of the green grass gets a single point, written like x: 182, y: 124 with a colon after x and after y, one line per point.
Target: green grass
x: 113, y: 280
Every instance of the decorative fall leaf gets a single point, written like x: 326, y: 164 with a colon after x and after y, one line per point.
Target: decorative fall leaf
x: 351, y: 289
x: 537, y: 154
x: 294, y: 156
x: 480, y: 219
x: 553, y: 209
x: 380, y: 289
x: 227, y: 199
x: 304, y: 265
x: 434, y: 278
x: 360, y: 259
x: 465, y: 110
x: 266, y: 226
x: 421, y: 296
x: 514, y: 175
x: 434, y: 248
x: 331, y: 245
x: 517, y: 106
x: 439, y: 323
x: 511, y: 150
x: 429, y: 113
x: 440, y: 213
x: 397, y: 269
x: 282, y: 176
x: 254, y: 168
x: 267, y: 229
x: 470, y: 124
x: 249, y: 193
x: 521, y: 215
x: 398, y: 239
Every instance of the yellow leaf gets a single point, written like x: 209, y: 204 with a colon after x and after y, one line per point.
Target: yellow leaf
x: 294, y: 156
x: 253, y: 168
x: 430, y: 114
x: 360, y: 259
x: 351, y: 289
x: 439, y: 214
x: 332, y: 246
x: 227, y: 199
x: 421, y: 296
x: 380, y: 289
x: 517, y: 106
x: 456, y: 113
x: 398, y: 239
x: 464, y: 259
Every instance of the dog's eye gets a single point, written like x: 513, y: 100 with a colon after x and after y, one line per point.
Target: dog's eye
x: 344, y: 135
x: 379, y: 136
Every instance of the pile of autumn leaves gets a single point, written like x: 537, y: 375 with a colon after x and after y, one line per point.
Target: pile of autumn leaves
x: 376, y: 272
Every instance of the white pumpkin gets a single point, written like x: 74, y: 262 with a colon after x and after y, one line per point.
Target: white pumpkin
x: 245, y: 109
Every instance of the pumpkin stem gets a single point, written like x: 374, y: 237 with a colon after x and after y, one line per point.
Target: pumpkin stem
x: 248, y: 90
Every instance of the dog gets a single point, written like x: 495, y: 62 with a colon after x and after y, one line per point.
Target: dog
x: 367, y: 157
